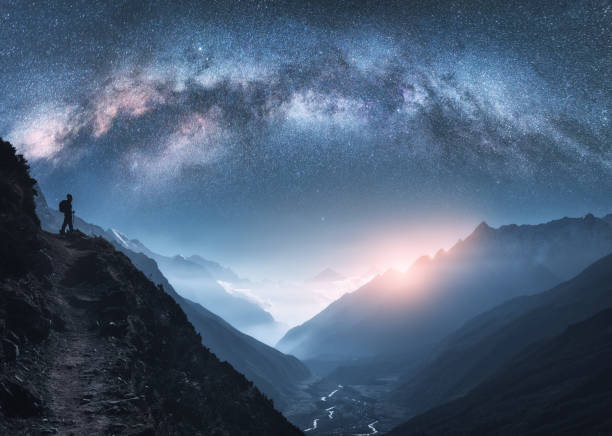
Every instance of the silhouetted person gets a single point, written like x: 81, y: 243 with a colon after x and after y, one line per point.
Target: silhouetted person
x: 65, y: 207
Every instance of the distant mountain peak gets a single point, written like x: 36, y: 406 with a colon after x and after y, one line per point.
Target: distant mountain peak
x: 122, y: 239
x: 482, y: 231
x: 327, y: 275
x: 440, y: 253
x: 197, y: 258
x: 423, y: 260
x: 483, y: 227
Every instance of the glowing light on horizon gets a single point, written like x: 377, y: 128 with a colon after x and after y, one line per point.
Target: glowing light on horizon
x: 399, y: 249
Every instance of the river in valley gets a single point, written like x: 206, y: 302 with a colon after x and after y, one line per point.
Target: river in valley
x: 342, y: 410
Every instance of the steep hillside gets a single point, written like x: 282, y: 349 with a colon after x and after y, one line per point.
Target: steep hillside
x: 562, y: 386
x: 194, y: 277
x: 489, y: 341
x: 273, y: 372
x: 406, y: 313
x: 91, y: 346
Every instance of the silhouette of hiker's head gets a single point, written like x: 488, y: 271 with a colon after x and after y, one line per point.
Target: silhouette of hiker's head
x: 69, y: 197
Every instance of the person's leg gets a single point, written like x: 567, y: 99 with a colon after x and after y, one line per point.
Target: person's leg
x: 64, y: 224
x: 70, y: 223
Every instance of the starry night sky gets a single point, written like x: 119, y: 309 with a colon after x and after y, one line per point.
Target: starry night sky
x: 289, y: 136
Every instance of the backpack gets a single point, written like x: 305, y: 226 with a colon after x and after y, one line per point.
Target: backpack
x: 63, y: 206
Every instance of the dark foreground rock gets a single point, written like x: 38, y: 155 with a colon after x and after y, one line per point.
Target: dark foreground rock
x: 89, y: 345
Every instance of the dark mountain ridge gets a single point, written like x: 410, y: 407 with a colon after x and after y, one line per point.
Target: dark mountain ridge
x: 91, y: 345
x: 487, y: 342
x: 589, y: 236
x: 560, y: 386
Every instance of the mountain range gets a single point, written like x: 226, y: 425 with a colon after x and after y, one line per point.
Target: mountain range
x: 467, y: 338
x: 489, y: 341
x: 201, y: 280
x: 408, y: 313
x: 558, y: 385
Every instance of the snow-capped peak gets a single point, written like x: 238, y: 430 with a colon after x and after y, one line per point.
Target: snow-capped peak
x: 122, y: 239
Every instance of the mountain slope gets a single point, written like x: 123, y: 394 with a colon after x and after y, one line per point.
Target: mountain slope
x: 487, y: 342
x: 407, y: 313
x: 273, y: 372
x: 90, y: 345
x: 194, y: 277
x: 198, y: 279
x: 218, y: 271
x: 560, y: 386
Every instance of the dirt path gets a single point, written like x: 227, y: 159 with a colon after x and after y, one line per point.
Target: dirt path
x: 83, y: 395
x: 75, y: 381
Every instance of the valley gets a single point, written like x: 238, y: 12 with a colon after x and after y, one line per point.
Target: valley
x: 327, y: 407
x: 339, y: 410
